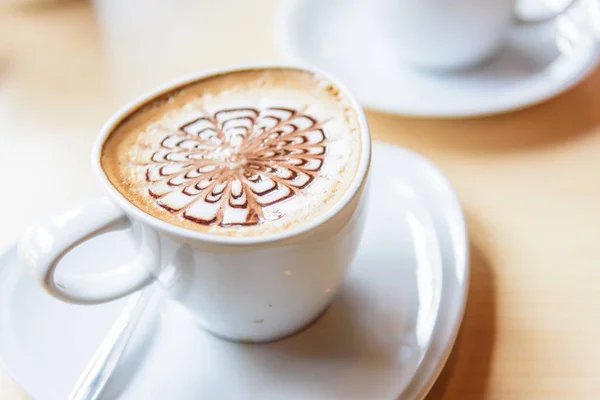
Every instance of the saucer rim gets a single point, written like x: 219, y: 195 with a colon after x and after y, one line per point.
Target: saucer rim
x: 466, y: 282
x: 5, y: 255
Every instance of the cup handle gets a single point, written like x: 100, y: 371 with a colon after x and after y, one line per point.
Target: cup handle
x: 520, y: 20
x: 45, y: 244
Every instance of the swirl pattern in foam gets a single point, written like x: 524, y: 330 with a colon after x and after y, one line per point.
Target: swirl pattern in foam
x: 244, y: 153
x: 226, y: 168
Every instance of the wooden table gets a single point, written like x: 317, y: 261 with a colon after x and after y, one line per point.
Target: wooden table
x: 529, y: 180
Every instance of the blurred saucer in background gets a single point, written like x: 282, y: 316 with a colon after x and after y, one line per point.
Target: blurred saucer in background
x: 535, y: 64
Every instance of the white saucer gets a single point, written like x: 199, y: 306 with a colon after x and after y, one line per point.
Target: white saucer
x: 537, y: 63
x: 386, y: 336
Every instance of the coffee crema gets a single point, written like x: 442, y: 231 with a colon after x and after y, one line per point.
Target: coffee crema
x: 243, y: 153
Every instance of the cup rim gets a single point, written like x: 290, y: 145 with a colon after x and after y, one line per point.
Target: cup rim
x: 138, y: 214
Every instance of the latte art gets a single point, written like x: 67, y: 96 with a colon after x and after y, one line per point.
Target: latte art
x: 225, y: 168
x: 245, y: 153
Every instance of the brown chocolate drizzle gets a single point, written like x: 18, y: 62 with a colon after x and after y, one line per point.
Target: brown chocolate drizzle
x: 236, y: 159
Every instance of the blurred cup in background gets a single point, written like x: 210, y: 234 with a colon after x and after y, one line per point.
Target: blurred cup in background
x: 450, y: 34
x: 148, y: 42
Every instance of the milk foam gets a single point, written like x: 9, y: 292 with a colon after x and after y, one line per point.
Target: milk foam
x: 262, y: 152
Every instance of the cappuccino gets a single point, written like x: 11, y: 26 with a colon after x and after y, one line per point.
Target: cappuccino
x: 243, y: 153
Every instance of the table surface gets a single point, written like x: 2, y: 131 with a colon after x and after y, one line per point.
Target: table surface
x: 529, y: 181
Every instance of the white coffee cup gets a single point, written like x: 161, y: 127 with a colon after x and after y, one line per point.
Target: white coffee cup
x: 254, y: 289
x: 449, y: 34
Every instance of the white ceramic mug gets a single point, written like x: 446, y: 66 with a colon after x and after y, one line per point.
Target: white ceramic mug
x: 449, y: 34
x: 241, y: 288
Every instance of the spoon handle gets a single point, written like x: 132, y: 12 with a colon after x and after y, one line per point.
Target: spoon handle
x: 102, y: 365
